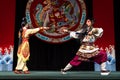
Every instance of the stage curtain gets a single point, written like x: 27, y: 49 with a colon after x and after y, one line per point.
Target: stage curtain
x: 7, y: 22
x: 103, y: 12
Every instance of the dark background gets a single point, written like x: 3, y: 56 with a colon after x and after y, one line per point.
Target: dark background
x: 46, y: 56
x: 117, y: 32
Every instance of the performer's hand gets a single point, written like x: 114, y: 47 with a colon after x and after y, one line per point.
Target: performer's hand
x: 63, y: 30
x: 90, y: 33
x: 45, y: 28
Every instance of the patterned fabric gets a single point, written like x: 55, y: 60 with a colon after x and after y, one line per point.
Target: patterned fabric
x: 99, y: 58
x: 87, y: 49
x: 86, y: 56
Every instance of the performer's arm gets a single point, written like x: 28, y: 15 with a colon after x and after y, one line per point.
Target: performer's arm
x: 74, y: 34
x: 32, y: 31
x: 35, y: 30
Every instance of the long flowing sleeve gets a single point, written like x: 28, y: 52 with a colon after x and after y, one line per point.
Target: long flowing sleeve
x: 31, y: 31
x: 80, y: 33
x: 75, y: 34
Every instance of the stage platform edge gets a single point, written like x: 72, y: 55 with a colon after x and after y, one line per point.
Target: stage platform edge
x: 56, y: 75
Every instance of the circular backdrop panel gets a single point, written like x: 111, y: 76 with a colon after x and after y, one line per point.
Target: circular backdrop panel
x: 55, y: 14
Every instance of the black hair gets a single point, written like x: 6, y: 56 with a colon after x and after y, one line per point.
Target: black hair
x: 20, y: 30
x: 24, y: 21
x: 20, y: 36
x: 91, y: 19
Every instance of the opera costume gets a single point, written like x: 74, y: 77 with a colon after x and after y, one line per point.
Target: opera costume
x: 88, y: 51
x: 23, y: 49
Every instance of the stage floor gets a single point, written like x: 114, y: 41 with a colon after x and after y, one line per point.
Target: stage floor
x: 56, y: 75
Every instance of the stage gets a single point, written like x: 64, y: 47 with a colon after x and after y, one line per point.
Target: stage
x: 56, y: 75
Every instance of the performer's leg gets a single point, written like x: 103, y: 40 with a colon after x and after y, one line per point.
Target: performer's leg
x: 19, y: 66
x: 25, y: 69
x: 101, y: 59
x: 103, y: 66
x: 67, y: 67
x: 73, y: 62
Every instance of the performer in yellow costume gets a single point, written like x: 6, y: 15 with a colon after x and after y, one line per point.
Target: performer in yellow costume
x: 23, y: 49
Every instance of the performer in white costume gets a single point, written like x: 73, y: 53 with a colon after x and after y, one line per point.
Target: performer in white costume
x: 87, y: 51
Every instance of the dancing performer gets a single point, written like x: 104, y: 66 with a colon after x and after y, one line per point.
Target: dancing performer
x: 87, y: 51
x: 23, y: 48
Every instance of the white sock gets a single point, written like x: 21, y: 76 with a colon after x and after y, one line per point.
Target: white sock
x: 103, y: 66
x: 68, y: 66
